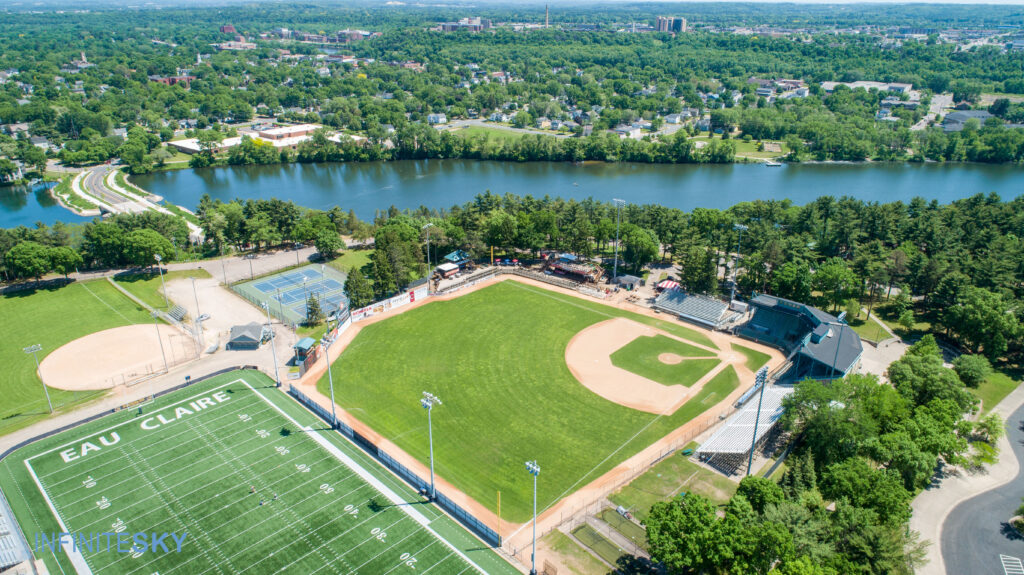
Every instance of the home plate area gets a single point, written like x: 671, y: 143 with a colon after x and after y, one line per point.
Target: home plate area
x: 255, y: 491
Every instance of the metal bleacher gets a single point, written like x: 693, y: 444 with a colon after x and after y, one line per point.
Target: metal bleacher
x: 696, y: 308
x: 12, y: 551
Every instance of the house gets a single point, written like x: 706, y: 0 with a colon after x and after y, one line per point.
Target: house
x: 121, y: 132
x: 14, y: 176
x: 437, y: 119
x: 674, y: 119
x: 588, y: 130
x: 625, y: 131
x: 543, y: 123
x: 765, y: 92
x: 499, y: 117
x: 42, y: 143
x: 323, y: 71
x: 388, y: 128
x: 187, y: 124
x: 955, y: 121
x: 248, y: 336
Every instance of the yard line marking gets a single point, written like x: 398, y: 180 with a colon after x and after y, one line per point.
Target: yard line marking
x: 411, y: 555
x: 1011, y: 565
x: 445, y: 558
x: 77, y: 560
x: 186, y: 400
x: 368, y: 477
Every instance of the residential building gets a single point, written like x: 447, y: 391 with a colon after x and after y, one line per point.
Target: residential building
x: 955, y: 121
x: 235, y: 45
x: 437, y: 119
x: 228, y: 29
x: 543, y: 123
x: 173, y: 80
x: 670, y: 24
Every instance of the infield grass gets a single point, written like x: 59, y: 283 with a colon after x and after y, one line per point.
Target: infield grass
x: 52, y: 317
x: 641, y: 356
x: 496, y: 358
x: 188, y: 463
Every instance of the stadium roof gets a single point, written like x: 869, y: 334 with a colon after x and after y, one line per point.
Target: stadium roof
x: 735, y: 436
x: 828, y: 342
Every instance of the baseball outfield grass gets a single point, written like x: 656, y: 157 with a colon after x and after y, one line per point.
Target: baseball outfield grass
x: 755, y: 359
x: 244, y: 478
x: 52, y: 317
x: 496, y: 358
x: 641, y: 356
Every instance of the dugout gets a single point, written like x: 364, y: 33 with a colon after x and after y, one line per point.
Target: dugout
x: 248, y: 336
x: 303, y: 348
x: 448, y: 269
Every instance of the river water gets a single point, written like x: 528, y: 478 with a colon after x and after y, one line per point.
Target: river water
x: 366, y: 187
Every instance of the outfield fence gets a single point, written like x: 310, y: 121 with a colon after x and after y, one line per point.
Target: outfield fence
x: 489, y: 536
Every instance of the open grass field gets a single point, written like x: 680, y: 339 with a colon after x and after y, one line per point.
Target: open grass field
x: 570, y: 555
x: 627, y: 528
x: 52, y: 317
x: 496, y: 359
x: 600, y: 544
x: 994, y: 389
x: 670, y: 477
x: 188, y: 463
x: 147, y: 287
x: 640, y: 356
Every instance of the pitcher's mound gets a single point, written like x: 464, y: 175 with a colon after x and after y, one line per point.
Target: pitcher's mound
x: 670, y: 358
x: 114, y: 356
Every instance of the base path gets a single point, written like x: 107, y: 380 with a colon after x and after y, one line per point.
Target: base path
x: 115, y: 356
x: 588, y: 356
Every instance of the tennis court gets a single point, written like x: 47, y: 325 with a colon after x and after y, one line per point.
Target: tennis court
x: 288, y: 292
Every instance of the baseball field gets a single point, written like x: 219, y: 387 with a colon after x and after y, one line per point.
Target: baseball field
x: 253, y: 480
x: 52, y: 318
x: 496, y: 357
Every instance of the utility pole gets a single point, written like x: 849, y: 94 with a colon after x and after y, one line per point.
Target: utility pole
x: 34, y: 349
x: 167, y: 304
x: 273, y: 343
x: 428, y: 402
x: 618, y: 217
x: 534, y: 470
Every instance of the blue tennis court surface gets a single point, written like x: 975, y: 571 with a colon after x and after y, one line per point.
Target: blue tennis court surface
x: 288, y: 292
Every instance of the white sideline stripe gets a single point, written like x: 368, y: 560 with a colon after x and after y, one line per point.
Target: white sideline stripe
x: 79, y: 440
x: 77, y: 560
x: 1011, y: 565
x: 369, y: 478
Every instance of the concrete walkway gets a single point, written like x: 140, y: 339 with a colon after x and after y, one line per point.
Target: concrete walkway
x: 953, y: 486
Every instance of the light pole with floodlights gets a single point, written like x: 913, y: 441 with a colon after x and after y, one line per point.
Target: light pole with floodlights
x: 428, y: 402
x: 534, y: 470
x: 160, y: 340
x: 34, y: 349
x: 324, y: 344
x: 199, y: 320
x: 167, y: 304
x: 429, y: 225
x: 618, y: 218
x: 736, y: 260
x: 273, y: 342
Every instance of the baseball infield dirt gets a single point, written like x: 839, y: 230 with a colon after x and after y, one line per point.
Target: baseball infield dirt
x: 115, y: 356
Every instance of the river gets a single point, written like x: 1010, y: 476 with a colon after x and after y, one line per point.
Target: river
x: 366, y: 187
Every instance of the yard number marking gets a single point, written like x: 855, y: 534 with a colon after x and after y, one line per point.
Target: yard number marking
x: 409, y: 560
x: 263, y: 433
x: 352, y: 510
x: 103, y: 503
x: 89, y: 482
x: 244, y: 417
x: 1011, y: 565
x: 118, y: 526
x: 379, y: 534
x: 302, y: 467
x: 281, y: 450
x: 326, y: 489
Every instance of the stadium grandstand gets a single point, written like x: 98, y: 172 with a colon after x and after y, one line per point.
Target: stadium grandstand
x: 575, y: 268
x: 818, y: 344
x: 702, y: 310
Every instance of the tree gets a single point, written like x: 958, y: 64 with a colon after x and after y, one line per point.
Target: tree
x: 859, y: 482
x: 64, y: 260
x: 983, y: 321
x: 328, y: 243
x: 906, y: 320
x: 681, y: 534
x: 28, y: 260
x: 358, y: 289
x: 834, y: 279
x: 972, y: 369
x: 314, y: 315
x: 383, y: 275
x: 641, y: 246
x: 142, y: 245
x: 760, y: 492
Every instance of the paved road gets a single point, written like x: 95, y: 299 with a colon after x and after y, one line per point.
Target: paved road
x: 976, y: 532
x: 93, y: 183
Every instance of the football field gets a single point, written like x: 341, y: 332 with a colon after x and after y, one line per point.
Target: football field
x: 256, y: 482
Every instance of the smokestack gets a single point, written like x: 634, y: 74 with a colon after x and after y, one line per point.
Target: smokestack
x: 546, y: 21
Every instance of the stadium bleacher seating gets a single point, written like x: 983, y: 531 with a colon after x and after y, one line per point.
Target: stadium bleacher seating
x: 780, y: 329
x: 700, y: 309
x: 11, y: 552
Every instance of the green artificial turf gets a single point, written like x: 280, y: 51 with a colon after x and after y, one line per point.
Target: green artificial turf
x: 496, y: 358
x: 755, y: 359
x: 185, y: 466
x: 640, y: 356
x: 52, y: 317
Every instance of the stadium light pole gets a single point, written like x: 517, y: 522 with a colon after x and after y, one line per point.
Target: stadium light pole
x: 156, y: 324
x: 736, y: 260
x: 199, y: 321
x: 330, y: 380
x: 252, y: 274
x: 429, y: 225
x: 618, y: 218
x: 34, y: 349
x: 158, y: 258
x: 223, y: 266
x: 428, y: 402
x: 273, y: 343
x: 534, y: 470
x: 762, y: 379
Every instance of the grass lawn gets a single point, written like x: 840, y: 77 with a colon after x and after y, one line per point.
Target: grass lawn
x: 571, y: 556
x: 627, y: 528
x: 670, y: 477
x: 351, y: 258
x: 748, y: 149
x: 504, y: 136
x: 994, y: 389
x: 147, y: 287
x: 63, y: 189
x: 162, y: 470
x: 496, y: 357
x: 868, y: 329
x: 755, y: 359
x: 640, y: 356
x: 600, y: 544
x: 52, y: 318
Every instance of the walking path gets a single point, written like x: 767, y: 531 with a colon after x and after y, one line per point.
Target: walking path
x: 953, y: 486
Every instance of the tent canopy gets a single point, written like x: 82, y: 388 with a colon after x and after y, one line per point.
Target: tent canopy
x: 668, y: 284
